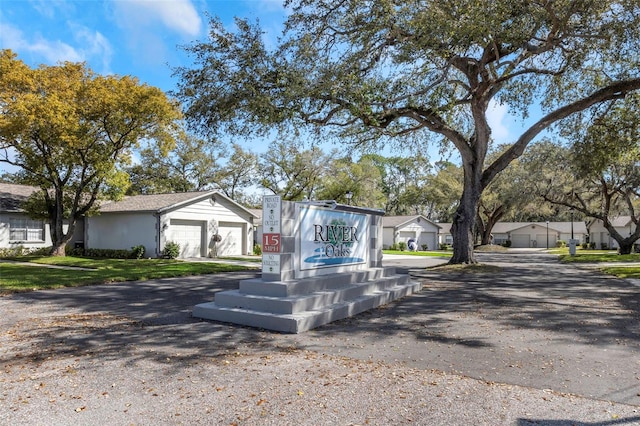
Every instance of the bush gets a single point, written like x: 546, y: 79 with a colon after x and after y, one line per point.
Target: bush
x: 561, y: 244
x: 257, y: 249
x: 444, y: 247
x: 604, y: 246
x: 137, y: 252
x: 592, y: 246
x: 507, y: 244
x: 394, y: 247
x: 18, y: 251
x: 425, y: 247
x: 584, y: 246
x: 104, y: 253
x: 171, y: 250
x: 402, y: 246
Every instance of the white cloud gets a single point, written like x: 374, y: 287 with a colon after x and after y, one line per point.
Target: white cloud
x: 51, y: 51
x: 94, y: 45
x: 496, y: 114
x: 90, y: 45
x: 177, y: 15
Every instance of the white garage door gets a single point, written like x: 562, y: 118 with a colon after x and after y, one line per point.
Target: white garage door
x: 542, y: 240
x: 520, y: 240
x: 405, y: 235
x: 187, y: 233
x: 231, y: 243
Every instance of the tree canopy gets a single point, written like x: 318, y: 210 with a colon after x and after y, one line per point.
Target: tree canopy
x: 70, y: 131
x: 370, y: 72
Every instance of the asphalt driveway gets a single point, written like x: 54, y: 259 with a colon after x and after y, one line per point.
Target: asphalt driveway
x: 528, y: 322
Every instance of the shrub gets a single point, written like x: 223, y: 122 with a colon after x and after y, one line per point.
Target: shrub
x: 425, y: 247
x: 137, y: 252
x: 394, y: 246
x: 561, y: 243
x: 257, y: 249
x: 444, y: 247
x: 105, y: 253
x: 604, y: 246
x: 584, y: 246
x: 18, y: 251
x: 402, y: 246
x: 592, y: 246
x: 171, y: 250
x: 507, y: 244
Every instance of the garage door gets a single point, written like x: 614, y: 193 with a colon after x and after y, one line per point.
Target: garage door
x: 187, y: 233
x: 405, y: 235
x: 520, y: 240
x: 231, y: 243
x: 542, y: 240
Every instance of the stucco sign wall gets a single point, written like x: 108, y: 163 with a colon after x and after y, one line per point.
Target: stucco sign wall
x: 329, y: 238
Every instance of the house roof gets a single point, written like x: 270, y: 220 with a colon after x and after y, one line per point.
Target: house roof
x: 395, y: 221
x: 579, y: 227
x: 152, y: 202
x: 13, y: 195
x: 162, y: 202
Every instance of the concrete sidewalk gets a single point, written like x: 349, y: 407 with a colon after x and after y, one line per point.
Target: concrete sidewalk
x: 564, y: 336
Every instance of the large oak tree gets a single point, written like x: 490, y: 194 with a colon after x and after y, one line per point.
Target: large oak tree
x: 69, y: 131
x: 393, y: 70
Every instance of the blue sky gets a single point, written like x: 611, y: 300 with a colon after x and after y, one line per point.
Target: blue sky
x: 124, y: 37
x: 141, y: 37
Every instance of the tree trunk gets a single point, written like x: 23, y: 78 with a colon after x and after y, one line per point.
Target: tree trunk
x: 487, y: 228
x: 58, y: 237
x: 626, y: 247
x: 464, y: 221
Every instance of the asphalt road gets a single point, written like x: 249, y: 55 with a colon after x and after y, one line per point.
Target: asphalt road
x: 527, y: 321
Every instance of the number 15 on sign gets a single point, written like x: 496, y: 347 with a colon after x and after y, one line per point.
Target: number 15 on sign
x: 271, y: 243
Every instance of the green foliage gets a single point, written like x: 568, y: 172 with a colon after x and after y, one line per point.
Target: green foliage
x: 394, y: 247
x: 507, y: 244
x: 561, y: 244
x: 171, y: 250
x: 402, y: 246
x: 18, y: 251
x: 103, y: 253
x: 257, y: 249
x: 413, y: 72
x: 425, y: 247
x: 444, y: 247
x: 71, y: 131
x: 137, y: 252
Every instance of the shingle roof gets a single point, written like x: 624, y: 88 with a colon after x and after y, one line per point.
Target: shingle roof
x: 13, y: 195
x: 579, y: 227
x: 153, y: 202
x: 394, y: 221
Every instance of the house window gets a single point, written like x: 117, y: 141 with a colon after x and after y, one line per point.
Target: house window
x: 22, y: 229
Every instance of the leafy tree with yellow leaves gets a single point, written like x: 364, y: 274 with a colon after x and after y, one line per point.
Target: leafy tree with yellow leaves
x: 69, y: 131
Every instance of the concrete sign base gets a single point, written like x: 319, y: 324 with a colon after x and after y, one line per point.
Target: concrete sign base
x: 300, y: 305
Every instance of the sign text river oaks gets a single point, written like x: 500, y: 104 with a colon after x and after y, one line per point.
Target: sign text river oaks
x: 338, y: 238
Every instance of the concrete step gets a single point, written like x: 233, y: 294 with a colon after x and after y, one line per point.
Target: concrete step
x: 307, y: 320
x: 309, y: 285
x: 312, y: 301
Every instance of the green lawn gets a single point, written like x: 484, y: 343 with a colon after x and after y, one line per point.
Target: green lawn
x: 420, y: 253
x: 603, y: 257
x: 16, y: 278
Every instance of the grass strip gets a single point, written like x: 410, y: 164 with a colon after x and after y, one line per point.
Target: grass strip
x: 15, y: 277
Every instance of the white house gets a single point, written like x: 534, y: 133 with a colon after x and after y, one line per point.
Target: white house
x: 202, y: 223
x: 528, y: 234
x: 19, y: 230
x: 397, y: 229
x: 599, y: 235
